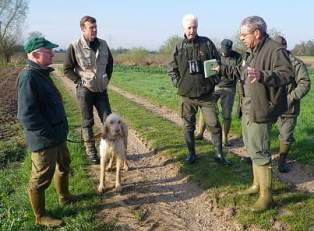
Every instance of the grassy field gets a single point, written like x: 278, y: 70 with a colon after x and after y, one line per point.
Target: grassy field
x: 157, y: 89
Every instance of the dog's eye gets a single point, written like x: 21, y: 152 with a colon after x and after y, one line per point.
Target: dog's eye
x: 119, y: 121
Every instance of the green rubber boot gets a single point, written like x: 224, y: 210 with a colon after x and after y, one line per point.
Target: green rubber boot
x: 265, y: 200
x: 37, y: 199
x: 254, y: 188
x: 201, y: 127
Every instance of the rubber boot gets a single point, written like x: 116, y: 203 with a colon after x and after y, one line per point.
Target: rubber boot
x: 201, y: 127
x: 254, y: 188
x: 62, y: 188
x: 225, y: 132
x: 89, y: 143
x: 265, y: 200
x: 37, y: 199
x: 283, y: 166
x: 189, y: 140
x: 219, y: 156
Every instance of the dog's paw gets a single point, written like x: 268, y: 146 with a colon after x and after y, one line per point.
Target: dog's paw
x: 118, y: 188
x: 101, y: 189
x: 126, y: 168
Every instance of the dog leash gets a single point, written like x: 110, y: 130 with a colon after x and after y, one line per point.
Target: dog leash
x: 81, y: 141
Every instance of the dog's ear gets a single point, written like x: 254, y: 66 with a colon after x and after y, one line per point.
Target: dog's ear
x: 105, y: 132
x: 124, y: 129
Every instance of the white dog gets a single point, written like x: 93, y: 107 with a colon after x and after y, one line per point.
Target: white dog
x: 113, y: 144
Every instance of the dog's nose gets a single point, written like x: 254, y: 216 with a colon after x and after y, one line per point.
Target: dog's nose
x: 117, y: 130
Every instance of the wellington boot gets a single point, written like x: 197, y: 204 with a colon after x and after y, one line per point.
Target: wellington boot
x: 62, y: 188
x: 283, y: 166
x: 265, y: 200
x: 201, y: 127
x: 254, y: 188
x: 37, y: 199
x: 225, y: 132
x: 89, y: 143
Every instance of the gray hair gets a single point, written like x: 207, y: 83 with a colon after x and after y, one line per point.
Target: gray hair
x: 255, y: 23
x: 187, y: 18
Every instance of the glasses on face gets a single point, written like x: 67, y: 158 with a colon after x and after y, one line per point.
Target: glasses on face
x: 246, y: 34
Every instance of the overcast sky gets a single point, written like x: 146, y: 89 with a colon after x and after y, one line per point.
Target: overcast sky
x: 148, y: 23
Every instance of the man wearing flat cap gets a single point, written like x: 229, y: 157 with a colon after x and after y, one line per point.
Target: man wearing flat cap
x: 42, y: 115
x: 225, y: 90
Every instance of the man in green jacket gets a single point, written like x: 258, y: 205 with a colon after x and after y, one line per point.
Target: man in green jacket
x: 264, y: 74
x: 187, y: 74
x: 297, y: 89
x: 41, y: 112
x: 225, y: 91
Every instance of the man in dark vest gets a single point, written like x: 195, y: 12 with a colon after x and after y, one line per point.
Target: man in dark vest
x: 187, y: 74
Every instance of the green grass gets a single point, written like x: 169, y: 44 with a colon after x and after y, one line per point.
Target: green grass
x: 156, y: 87
x: 293, y: 208
x: 15, y: 210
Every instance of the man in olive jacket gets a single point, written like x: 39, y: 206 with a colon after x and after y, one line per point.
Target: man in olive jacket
x: 266, y: 71
x: 297, y: 89
x: 187, y: 74
x: 225, y: 90
x: 41, y: 112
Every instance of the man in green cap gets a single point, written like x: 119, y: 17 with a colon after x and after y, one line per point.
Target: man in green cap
x: 297, y: 89
x: 265, y: 72
x: 42, y: 115
x: 186, y: 71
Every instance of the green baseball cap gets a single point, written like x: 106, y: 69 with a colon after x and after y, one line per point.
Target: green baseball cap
x: 38, y: 42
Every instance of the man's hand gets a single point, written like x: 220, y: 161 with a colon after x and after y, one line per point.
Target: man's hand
x: 216, y: 68
x: 253, y: 74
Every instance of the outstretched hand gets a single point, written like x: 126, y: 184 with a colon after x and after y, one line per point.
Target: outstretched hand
x: 253, y: 74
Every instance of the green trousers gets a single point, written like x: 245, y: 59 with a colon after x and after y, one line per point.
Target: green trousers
x: 256, y: 138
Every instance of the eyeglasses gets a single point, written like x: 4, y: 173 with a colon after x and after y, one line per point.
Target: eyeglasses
x: 246, y: 34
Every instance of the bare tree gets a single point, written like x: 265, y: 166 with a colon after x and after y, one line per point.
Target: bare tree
x: 12, y: 16
x: 34, y: 34
x: 169, y: 45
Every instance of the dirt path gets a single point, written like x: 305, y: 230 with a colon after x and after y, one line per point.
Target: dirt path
x: 155, y: 196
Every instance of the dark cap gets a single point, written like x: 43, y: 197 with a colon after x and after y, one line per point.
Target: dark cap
x: 226, y: 45
x: 281, y: 40
x: 38, y: 42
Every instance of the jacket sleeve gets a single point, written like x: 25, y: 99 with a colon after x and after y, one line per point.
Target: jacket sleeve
x: 302, y: 79
x: 28, y: 109
x: 281, y: 73
x: 173, y: 69
x: 69, y: 65
x: 109, y: 68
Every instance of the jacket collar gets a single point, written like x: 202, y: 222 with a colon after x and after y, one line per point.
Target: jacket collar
x: 260, y: 44
x: 86, y: 44
x: 192, y: 41
x: 35, y: 66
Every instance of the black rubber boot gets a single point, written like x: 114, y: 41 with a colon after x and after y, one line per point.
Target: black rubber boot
x: 283, y: 166
x: 219, y: 156
x: 89, y: 143
x: 190, y: 143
